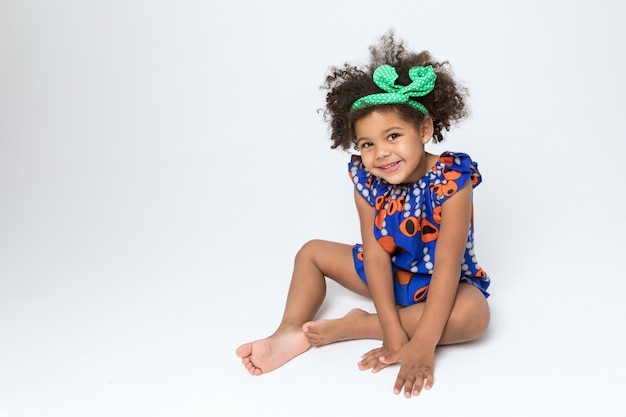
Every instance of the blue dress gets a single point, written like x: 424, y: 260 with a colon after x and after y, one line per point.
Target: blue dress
x: 407, y: 223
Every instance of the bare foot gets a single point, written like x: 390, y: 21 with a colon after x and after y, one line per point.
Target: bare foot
x: 265, y: 355
x: 349, y: 327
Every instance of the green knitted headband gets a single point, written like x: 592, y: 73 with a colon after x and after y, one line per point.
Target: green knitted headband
x: 385, y: 76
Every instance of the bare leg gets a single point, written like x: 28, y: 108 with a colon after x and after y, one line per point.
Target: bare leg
x: 316, y: 260
x: 468, y: 320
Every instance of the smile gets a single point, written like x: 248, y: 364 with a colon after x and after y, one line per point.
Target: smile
x: 389, y: 167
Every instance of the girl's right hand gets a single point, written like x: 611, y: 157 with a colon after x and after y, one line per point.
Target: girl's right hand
x: 371, y: 360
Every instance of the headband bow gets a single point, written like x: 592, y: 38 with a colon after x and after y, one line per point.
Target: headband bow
x: 385, y: 76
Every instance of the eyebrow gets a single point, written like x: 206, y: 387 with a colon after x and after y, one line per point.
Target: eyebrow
x: 383, y: 132
x: 392, y: 128
x: 359, y: 140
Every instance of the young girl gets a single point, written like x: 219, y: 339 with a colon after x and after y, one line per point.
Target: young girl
x: 417, y: 259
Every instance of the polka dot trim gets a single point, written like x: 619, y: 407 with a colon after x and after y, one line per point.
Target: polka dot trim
x: 385, y: 76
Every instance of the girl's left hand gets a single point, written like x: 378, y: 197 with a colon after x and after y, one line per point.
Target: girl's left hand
x: 416, y: 368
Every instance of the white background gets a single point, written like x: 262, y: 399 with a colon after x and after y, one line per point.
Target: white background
x: 161, y: 162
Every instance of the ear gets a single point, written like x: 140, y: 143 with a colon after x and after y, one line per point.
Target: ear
x: 427, y: 129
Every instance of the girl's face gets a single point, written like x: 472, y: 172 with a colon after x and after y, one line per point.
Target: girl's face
x: 392, y: 148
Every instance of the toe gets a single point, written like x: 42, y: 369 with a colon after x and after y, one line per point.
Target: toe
x: 244, y: 350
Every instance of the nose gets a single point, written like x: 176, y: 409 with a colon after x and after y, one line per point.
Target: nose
x: 382, y: 150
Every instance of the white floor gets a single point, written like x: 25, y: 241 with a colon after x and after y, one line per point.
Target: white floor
x: 162, y: 162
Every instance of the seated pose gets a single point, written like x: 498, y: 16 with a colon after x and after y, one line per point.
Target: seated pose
x: 417, y: 260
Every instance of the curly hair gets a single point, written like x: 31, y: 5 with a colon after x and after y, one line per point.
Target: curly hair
x: 446, y: 103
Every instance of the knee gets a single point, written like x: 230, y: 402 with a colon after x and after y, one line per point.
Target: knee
x: 480, y: 321
x: 470, y: 317
x: 308, y: 251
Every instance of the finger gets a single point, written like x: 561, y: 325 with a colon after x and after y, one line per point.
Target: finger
x: 391, y: 358
x: 400, y: 381
x: 406, y: 381
x: 374, y: 352
x: 424, y: 379
x: 418, y: 385
x: 430, y: 379
x: 378, y: 366
x: 369, y: 359
x: 367, y: 363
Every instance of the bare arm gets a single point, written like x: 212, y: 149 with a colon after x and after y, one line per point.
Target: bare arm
x: 417, y: 356
x: 378, y: 270
x: 455, y: 221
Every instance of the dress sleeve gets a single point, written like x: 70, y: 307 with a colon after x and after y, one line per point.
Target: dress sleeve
x: 362, y: 179
x: 453, y: 171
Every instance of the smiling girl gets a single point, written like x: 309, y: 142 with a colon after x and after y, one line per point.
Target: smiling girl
x: 417, y: 260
